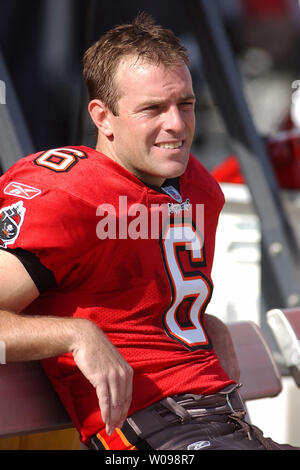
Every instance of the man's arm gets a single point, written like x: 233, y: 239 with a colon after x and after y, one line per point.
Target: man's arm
x: 223, y: 346
x: 39, y: 337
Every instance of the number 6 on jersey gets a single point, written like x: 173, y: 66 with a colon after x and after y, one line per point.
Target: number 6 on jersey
x: 183, y: 254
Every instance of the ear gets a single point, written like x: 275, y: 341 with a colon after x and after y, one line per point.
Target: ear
x: 100, y: 115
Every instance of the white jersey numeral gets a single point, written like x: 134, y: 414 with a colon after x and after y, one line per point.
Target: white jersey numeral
x: 184, y: 256
x: 60, y: 160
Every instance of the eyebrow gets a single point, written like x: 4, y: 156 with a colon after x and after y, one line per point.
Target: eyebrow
x: 191, y: 96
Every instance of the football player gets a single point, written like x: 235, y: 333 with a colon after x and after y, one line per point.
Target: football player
x: 106, y: 261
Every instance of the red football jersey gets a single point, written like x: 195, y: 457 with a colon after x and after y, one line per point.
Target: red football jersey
x: 134, y: 259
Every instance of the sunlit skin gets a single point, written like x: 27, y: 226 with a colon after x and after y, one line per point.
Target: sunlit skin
x: 155, y: 111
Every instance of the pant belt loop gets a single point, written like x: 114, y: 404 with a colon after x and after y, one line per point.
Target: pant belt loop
x: 229, y: 403
x: 179, y: 410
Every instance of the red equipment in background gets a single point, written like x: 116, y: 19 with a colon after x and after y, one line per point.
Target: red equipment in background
x: 283, y: 149
x: 265, y: 8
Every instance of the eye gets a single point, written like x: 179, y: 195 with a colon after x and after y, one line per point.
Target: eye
x: 152, y: 107
x: 187, y: 104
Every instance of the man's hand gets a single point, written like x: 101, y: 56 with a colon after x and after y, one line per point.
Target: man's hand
x: 29, y: 338
x: 102, y: 364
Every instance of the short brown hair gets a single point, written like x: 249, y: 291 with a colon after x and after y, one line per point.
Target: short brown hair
x: 142, y: 38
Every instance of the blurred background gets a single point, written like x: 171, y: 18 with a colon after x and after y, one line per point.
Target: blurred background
x: 42, y: 43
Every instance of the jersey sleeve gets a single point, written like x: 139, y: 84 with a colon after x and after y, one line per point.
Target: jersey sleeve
x: 48, y: 229
x: 43, y: 278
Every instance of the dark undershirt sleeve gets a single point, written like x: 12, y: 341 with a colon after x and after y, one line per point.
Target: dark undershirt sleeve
x: 43, y: 277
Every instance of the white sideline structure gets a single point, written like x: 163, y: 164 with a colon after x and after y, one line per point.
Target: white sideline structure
x: 237, y: 296
x: 285, y: 326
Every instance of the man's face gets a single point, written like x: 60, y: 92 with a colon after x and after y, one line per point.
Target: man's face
x: 153, y: 132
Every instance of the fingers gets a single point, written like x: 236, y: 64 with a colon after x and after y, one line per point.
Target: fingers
x: 104, y: 401
x: 115, y: 396
x: 121, y: 395
x: 107, y: 370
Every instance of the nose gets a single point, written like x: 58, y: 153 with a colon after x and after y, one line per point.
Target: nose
x: 174, y: 121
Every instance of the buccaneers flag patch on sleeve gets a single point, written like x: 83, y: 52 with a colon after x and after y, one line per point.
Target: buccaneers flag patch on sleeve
x: 11, y: 219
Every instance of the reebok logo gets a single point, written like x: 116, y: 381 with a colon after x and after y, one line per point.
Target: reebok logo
x: 198, y: 445
x: 21, y: 190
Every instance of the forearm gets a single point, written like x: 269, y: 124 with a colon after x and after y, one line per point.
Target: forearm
x: 38, y: 337
x: 26, y: 338
x: 223, y: 346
